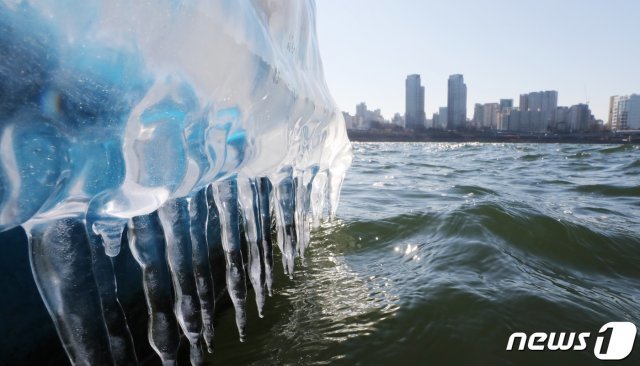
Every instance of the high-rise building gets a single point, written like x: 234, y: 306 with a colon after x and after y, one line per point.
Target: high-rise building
x: 443, y: 118
x: 562, y: 119
x: 502, y: 122
x: 504, y: 119
x: 613, y: 112
x: 579, y: 117
x: 491, y: 113
x: 478, y: 115
x: 414, y: 103
x: 435, y: 120
x: 457, y: 102
x: 486, y: 115
x: 633, y: 113
x: 544, y: 102
x: 624, y: 112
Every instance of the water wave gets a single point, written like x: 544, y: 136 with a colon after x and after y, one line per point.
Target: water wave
x: 635, y: 164
x: 488, y: 269
x: 610, y: 190
x: 465, y: 245
x: 532, y: 157
x: 618, y: 149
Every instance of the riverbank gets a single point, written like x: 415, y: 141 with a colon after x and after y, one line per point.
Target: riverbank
x: 492, y: 137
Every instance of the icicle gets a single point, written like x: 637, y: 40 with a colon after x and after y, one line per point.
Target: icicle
x: 61, y: 265
x: 217, y: 256
x: 225, y: 194
x: 277, y: 217
x: 264, y: 189
x: 318, y: 197
x: 279, y: 226
x: 335, y: 177
x: 120, y: 338
x: 303, y: 207
x: 174, y: 215
x: 300, y: 215
x: 213, y: 232
x: 201, y: 265
x: 249, y: 203
x: 111, y: 233
x: 335, y: 185
x: 147, y: 243
x: 285, y: 197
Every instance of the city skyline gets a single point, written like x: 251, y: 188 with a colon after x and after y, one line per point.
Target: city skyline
x: 537, y: 112
x: 583, y: 49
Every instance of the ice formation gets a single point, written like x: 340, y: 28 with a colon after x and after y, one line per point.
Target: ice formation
x: 172, y: 119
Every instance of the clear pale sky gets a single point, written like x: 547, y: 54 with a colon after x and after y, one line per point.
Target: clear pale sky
x: 584, y: 49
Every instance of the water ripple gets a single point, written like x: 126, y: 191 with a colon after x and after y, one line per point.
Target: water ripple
x: 466, y: 244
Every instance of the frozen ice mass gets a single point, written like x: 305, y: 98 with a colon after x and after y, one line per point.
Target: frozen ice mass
x: 187, y: 124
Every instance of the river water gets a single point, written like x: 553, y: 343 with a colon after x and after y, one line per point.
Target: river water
x: 442, y: 250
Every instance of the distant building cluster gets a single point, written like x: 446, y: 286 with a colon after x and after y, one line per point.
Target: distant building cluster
x: 364, y: 118
x: 537, y: 112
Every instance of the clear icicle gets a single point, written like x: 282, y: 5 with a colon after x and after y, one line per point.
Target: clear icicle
x: 300, y: 215
x: 175, y: 219
x: 217, y: 256
x: 249, y: 203
x: 285, y: 199
x: 303, y: 207
x: 264, y: 190
x: 201, y: 264
x: 61, y: 264
x: 147, y: 243
x: 111, y: 233
x: 225, y: 194
x: 335, y: 177
x: 277, y: 218
x: 318, y: 198
x: 213, y: 233
x: 279, y: 226
x: 335, y: 185
x: 120, y: 339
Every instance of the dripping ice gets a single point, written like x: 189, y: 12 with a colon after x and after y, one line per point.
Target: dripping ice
x: 187, y: 124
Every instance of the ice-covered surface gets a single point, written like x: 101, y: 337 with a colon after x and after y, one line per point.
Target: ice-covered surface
x: 168, y: 117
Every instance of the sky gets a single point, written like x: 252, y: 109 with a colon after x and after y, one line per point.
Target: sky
x: 587, y: 50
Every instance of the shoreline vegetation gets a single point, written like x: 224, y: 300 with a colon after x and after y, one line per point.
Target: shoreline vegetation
x: 628, y: 137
